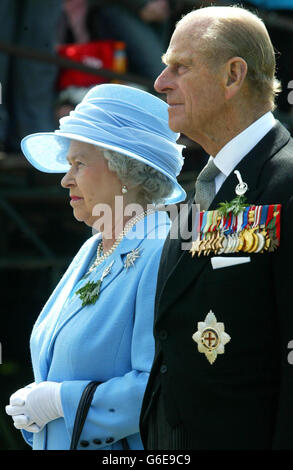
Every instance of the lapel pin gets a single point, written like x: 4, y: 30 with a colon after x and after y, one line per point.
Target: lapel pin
x: 241, y: 187
x: 131, y: 258
x: 90, y: 292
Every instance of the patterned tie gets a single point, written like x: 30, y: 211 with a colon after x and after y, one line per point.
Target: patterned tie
x: 205, y: 188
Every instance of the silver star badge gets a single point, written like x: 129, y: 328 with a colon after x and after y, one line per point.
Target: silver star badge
x: 211, y: 337
x: 131, y: 257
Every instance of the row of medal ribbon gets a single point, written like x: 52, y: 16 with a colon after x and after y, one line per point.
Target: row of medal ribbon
x: 254, y: 230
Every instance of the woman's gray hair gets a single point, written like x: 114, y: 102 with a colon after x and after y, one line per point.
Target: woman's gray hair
x: 154, y: 186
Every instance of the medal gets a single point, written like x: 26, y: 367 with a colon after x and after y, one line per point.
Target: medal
x: 208, y: 221
x: 261, y: 242
x: 255, y: 226
x: 211, y: 234
x: 263, y: 233
x: 273, y: 227
x: 238, y: 227
x: 196, y: 244
x: 249, y: 240
x: 211, y: 337
x: 238, y: 244
x: 204, y: 228
x: 234, y: 237
x: 226, y: 226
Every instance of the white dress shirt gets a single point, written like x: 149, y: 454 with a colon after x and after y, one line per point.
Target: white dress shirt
x: 235, y: 150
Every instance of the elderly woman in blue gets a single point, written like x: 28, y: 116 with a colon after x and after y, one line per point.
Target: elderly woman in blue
x: 120, y: 160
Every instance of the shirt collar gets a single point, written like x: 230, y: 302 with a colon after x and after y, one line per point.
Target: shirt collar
x: 236, y: 149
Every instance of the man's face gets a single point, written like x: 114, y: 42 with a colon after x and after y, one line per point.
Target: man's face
x: 194, y: 92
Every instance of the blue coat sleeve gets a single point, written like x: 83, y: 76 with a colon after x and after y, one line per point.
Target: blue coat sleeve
x: 28, y: 437
x: 116, y: 404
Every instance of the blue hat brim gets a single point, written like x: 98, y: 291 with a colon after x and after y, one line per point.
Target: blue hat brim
x: 47, y: 152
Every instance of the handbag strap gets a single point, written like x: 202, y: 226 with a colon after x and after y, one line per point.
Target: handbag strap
x: 125, y: 444
x: 81, y: 414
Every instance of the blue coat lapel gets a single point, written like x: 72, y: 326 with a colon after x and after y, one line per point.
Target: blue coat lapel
x: 76, y: 304
x: 53, y: 308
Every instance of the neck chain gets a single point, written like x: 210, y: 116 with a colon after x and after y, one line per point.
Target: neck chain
x: 100, y: 258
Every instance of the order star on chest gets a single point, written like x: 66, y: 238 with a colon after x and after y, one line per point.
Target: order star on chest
x: 211, y: 337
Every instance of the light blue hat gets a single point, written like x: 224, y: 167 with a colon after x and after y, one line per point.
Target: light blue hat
x: 116, y: 117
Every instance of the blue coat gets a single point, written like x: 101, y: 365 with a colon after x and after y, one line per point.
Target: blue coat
x: 110, y: 342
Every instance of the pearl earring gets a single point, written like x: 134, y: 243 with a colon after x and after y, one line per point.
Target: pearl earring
x: 124, y: 189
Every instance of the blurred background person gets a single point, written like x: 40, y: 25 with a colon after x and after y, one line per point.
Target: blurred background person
x: 76, y: 12
x: 28, y: 86
x: 144, y: 25
x: 280, y: 27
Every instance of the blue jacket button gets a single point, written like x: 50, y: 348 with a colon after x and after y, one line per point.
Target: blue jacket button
x: 84, y: 443
x: 97, y: 441
x: 109, y: 440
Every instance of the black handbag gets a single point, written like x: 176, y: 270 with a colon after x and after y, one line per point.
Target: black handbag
x: 81, y: 414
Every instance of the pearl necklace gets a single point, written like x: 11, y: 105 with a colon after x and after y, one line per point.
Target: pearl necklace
x: 100, y: 258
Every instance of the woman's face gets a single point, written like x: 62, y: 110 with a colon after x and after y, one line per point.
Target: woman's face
x: 89, y: 181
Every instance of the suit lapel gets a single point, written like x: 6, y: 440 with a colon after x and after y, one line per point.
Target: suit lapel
x: 250, y: 167
x: 55, y: 312
x: 45, y: 326
x: 178, y: 269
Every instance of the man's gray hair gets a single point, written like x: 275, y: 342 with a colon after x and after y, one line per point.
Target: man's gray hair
x: 153, y: 185
x: 234, y: 31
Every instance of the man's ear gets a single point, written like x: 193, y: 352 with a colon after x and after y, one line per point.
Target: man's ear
x: 234, y: 76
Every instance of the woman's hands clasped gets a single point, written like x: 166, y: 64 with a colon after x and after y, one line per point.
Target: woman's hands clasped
x: 33, y: 406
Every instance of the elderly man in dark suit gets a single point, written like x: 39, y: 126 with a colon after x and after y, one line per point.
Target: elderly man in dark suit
x: 221, y: 377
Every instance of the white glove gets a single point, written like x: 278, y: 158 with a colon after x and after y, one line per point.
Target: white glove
x: 21, y: 421
x: 33, y: 406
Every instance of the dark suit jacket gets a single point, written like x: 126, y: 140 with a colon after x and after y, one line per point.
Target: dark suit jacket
x: 245, y: 399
